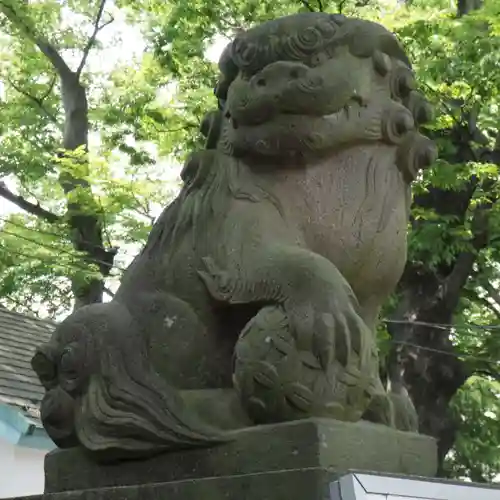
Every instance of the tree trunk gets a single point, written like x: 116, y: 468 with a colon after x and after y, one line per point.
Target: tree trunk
x: 84, y: 221
x: 82, y: 214
x: 464, y: 7
x: 422, y: 356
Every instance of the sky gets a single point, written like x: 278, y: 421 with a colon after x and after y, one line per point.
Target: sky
x: 123, y: 43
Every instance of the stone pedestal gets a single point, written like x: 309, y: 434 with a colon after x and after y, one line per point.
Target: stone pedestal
x: 296, y: 460
x: 302, y: 460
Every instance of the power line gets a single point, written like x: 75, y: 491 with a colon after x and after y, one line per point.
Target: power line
x: 50, y: 233
x: 58, y: 249
x: 446, y: 353
x: 68, y: 265
x: 454, y: 354
x: 441, y: 326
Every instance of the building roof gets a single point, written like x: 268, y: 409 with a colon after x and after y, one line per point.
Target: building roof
x: 19, y: 337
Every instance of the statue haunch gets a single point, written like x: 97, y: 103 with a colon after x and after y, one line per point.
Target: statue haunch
x: 266, y: 274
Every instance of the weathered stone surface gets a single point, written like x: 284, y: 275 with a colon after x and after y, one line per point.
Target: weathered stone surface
x: 318, y: 443
x: 307, y: 484
x: 267, y: 273
x: 304, y: 484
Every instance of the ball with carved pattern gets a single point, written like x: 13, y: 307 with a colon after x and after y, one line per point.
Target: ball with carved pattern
x: 279, y: 382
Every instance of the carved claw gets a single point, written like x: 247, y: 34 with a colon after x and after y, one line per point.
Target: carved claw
x: 329, y: 329
x: 324, y: 339
x: 218, y: 282
x: 314, y: 332
x: 405, y: 415
x: 380, y: 410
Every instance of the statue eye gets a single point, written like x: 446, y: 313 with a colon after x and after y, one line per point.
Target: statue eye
x: 68, y: 362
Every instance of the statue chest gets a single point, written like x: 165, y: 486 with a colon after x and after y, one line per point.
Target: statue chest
x: 354, y: 212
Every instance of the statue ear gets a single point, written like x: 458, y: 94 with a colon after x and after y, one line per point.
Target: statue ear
x: 43, y: 364
x: 210, y: 128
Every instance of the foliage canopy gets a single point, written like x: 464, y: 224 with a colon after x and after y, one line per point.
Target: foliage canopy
x: 146, y: 81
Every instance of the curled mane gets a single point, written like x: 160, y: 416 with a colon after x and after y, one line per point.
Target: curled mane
x: 212, y: 180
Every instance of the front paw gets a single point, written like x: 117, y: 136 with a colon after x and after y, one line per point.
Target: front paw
x: 331, y: 329
x: 405, y: 414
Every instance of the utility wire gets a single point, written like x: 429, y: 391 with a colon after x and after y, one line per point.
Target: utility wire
x: 443, y: 326
x: 50, y: 258
x: 50, y: 233
x: 57, y: 249
x: 454, y: 354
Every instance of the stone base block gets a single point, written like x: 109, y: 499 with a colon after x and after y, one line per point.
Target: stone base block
x: 272, y: 455
x: 313, y: 484
x: 307, y: 484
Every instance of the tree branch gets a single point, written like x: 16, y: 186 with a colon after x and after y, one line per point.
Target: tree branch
x: 86, y: 227
x: 341, y: 5
x: 492, y: 293
x: 37, y: 100
x: 487, y: 372
x: 473, y: 295
x: 455, y: 281
x: 451, y: 287
x: 32, y: 208
x: 307, y: 5
x: 45, y: 47
x: 497, y: 142
x: 54, y: 57
x: 49, y: 90
x: 92, y: 38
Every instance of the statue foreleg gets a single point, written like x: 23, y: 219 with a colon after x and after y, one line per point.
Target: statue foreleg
x: 323, y: 328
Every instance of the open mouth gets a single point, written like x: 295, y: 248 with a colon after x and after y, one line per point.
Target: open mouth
x: 57, y: 413
x: 349, y: 110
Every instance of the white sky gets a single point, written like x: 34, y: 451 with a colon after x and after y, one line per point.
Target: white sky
x: 123, y: 43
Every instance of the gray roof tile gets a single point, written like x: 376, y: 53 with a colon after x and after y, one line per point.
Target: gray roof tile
x: 19, y: 337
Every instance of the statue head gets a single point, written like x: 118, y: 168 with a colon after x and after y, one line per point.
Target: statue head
x: 308, y: 85
x: 63, y: 366
x: 103, y: 393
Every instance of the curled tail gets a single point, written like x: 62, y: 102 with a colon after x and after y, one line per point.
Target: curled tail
x: 126, y: 408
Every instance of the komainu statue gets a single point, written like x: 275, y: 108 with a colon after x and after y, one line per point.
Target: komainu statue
x: 264, y: 278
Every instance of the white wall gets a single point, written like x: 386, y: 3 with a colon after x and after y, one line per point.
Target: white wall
x: 21, y: 470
